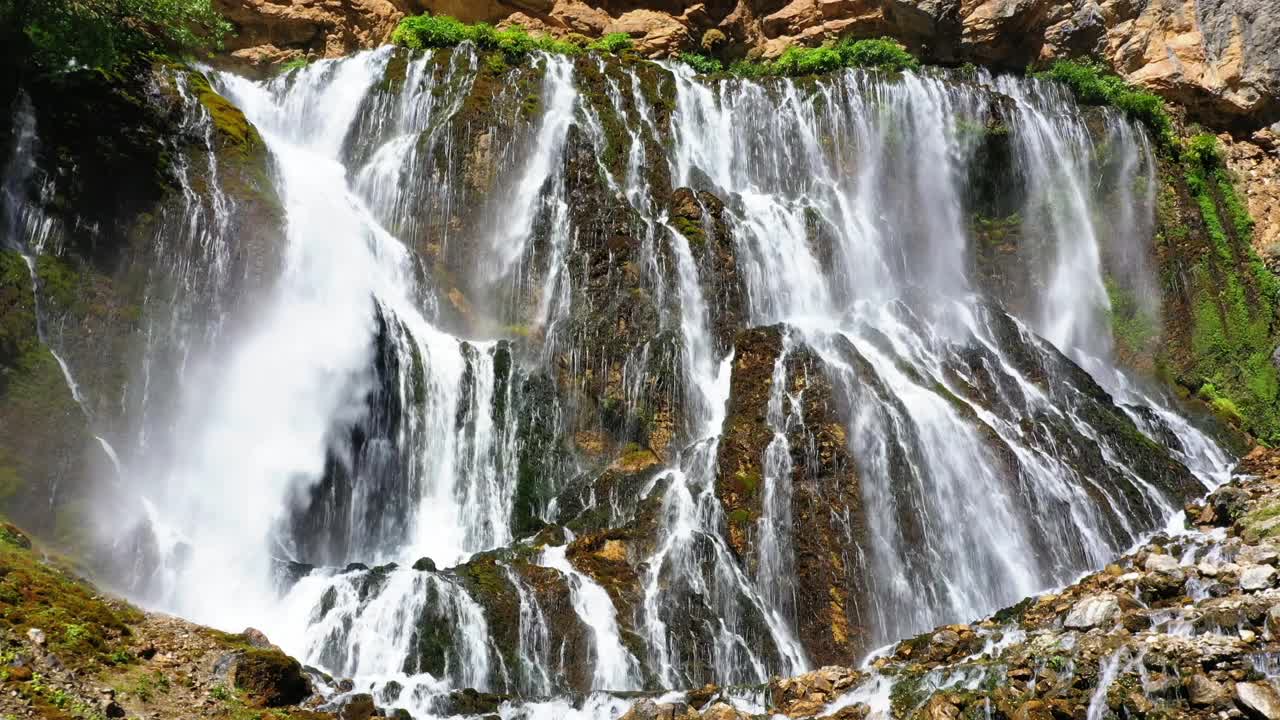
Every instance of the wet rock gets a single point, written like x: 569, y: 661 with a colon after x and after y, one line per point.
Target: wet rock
x: 355, y: 567
x: 425, y: 564
x: 1257, y: 555
x: 1162, y: 564
x: 1257, y: 577
x: 700, y: 697
x: 357, y: 707
x: 1258, y: 701
x: 1204, y: 692
x: 1092, y: 612
x: 649, y: 710
x: 113, y: 710
x: 808, y: 694
x: 723, y: 711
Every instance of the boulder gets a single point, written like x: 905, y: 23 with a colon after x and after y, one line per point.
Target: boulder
x: 1166, y: 564
x: 1258, y: 700
x: 270, y: 678
x: 425, y: 564
x: 1257, y: 577
x: 256, y: 638
x: 1092, y: 612
x: 1204, y: 692
x: 357, y: 707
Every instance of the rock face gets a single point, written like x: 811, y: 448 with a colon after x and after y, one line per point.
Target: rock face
x: 1221, y: 60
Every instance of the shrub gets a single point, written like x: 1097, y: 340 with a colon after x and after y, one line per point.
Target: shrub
x: 1202, y: 150
x: 421, y: 32
x: 295, y: 64
x: 880, y: 53
x: 807, y: 61
x: 702, y: 64
x: 613, y: 43
x: 876, y: 54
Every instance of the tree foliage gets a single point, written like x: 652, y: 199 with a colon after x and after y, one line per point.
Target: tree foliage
x: 52, y: 36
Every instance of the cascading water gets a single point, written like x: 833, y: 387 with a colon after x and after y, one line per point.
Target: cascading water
x: 378, y: 406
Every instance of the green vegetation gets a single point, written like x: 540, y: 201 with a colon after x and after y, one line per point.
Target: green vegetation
x: 1134, y: 326
x: 876, y: 54
x: 422, y: 32
x: 52, y: 37
x: 613, y: 43
x: 295, y: 64
x: 1094, y: 85
x: 702, y: 64
x: 1234, y: 305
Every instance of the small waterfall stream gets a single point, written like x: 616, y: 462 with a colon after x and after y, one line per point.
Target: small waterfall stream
x: 376, y: 406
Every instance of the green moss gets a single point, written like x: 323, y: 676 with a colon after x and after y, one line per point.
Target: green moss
x: 229, y: 121
x: 691, y: 230
x: 59, y: 284
x: 1233, y: 303
x: 34, y: 594
x: 1134, y: 327
x: 1092, y: 84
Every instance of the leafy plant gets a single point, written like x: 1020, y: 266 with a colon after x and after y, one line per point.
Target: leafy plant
x: 879, y: 53
x: 421, y: 32
x: 52, y: 37
x: 295, y: 64
x: 874, y: 54
x: 702, y: 64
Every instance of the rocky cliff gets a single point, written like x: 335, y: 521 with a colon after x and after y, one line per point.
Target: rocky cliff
x: 1221, y: 60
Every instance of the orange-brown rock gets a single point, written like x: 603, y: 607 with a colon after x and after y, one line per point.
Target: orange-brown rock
x: 1221, y: 60
x: 1256, y: 164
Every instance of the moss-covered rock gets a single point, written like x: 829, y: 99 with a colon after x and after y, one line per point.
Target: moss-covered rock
x: 269, y: 678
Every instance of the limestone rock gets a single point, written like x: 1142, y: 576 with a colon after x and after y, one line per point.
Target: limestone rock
x: 1092, y: 612
x: 656, y: 34
x: 1221, y: 60
x: 1162, y: 564
x: 1258, y: 700
x: 1257, y: 577
x: 1204, y: 692
x: 357, y: 707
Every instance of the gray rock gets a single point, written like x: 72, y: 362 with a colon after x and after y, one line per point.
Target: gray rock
x: 1257, y: 577
x: 357, y: 707
x: 36, y: 636
x: 1204, y: 692
x: 1258, y: 555
x: 1258, y: 701
x: 1166, y: 564
x: 1092, y: 612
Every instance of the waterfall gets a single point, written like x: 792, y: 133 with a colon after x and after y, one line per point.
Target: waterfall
x: 407, y: 457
